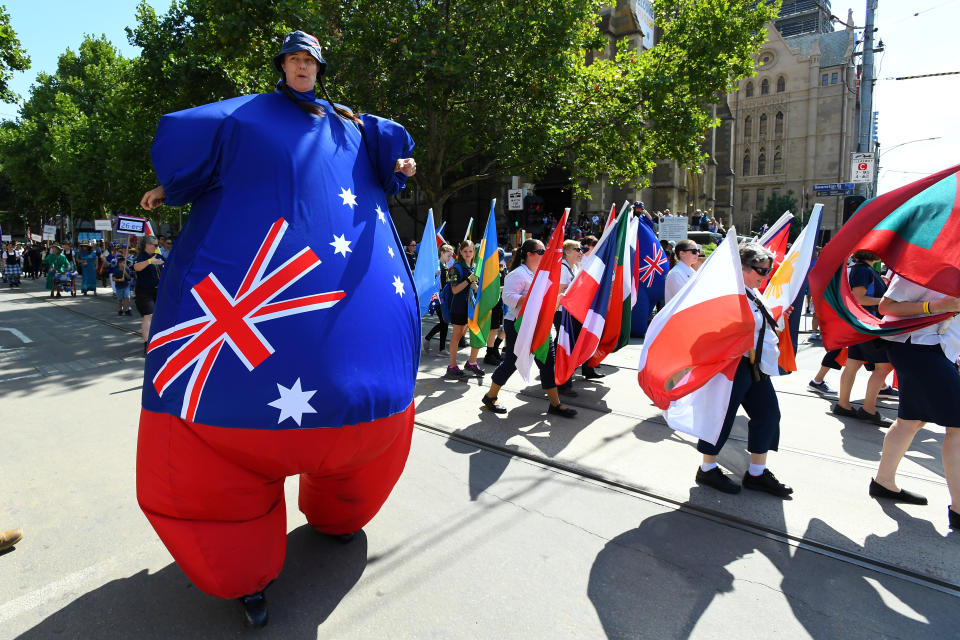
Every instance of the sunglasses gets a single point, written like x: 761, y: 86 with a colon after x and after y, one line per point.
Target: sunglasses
x: 690, y: 250
x: 580, y: 249
x: 762, y: 270
x: 539, y: 252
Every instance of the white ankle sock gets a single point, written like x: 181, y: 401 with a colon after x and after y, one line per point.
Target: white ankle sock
x: 707, y: 466
x: 756, y: 469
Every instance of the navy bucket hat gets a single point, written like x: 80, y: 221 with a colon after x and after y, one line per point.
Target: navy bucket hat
x: 300, y: 41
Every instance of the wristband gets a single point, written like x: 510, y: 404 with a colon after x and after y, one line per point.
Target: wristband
x: 926, y: 308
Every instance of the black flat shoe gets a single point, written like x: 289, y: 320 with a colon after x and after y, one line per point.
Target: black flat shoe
x: 766, y: 482
x: 567, y: 390
x: 560, y: 410
x: 254, y: 610
x: 954, y: 518
x: 874, y: 418
x: 837, y: 410
x: 877, y: 490
x: 493, y: 405
x: 592, y: 374
x: 716, y: 479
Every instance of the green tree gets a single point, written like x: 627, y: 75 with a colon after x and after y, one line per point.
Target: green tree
x: 12, y: 56
x: 777, y: 205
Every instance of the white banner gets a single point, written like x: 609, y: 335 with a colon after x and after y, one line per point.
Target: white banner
x: 6, y: 238
x: 102, y: 225
x: 673, y: 228
x: 49, y: 229
x: 515, y: 199
x: 36, y: 237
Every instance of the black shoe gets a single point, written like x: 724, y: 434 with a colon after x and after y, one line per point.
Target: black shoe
x: 768, y: 482
x: 120, y: 312
x: 954, y: 518
x: 567, y: 390
x: 254, y: 609
x: 145, y: 349
x: 492, y: 358
x: 493, y: 405
x: 874, y: 418
x: 560, y: 410
x: 837, y: 410
x: 716, y: 479
x: 877, y: 490
x: 592, y: 374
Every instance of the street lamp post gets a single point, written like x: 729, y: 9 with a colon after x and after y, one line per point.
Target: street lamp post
x: 876, y: 172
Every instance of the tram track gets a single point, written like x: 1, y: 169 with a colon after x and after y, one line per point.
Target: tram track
x: 824, y: 549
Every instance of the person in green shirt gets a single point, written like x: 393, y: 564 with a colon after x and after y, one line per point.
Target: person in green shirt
x: 55, y: 263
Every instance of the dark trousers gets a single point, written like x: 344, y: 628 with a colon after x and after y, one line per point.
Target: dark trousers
x: 759, y: 400
x: 440, y: 328
x: 509, y: 364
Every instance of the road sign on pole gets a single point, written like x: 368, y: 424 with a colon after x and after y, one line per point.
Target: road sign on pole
x: 861, y: 167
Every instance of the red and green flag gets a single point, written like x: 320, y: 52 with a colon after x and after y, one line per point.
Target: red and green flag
x: 916, y: 232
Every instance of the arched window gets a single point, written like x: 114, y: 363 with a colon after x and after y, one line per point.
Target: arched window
x: 778, y: 125
x: 746, y: 163
x: 750, y: 89
x: 781, y: 84
x: 764, y: 87
x: 747, y: 127
x: 777, y: 161
x: 762, y: 163
x: 763, y: 125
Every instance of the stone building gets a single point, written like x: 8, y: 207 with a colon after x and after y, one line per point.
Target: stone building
x: 794, y: 123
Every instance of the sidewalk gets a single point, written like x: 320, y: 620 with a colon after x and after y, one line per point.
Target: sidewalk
x: 620, y: 436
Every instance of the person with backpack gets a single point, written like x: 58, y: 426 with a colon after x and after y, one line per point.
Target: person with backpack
x: 446, y: 254
x: 462, y: 281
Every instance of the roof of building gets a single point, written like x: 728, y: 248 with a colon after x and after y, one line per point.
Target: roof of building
x: 833, y: 46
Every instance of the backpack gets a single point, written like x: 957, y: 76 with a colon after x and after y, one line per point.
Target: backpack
x: 446, y: 296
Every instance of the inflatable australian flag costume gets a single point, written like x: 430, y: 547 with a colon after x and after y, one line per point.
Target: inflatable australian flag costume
x: 286, y: 334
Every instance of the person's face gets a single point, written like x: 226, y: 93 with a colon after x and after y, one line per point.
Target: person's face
x: 445, y: 257
x: 300, y: 68
x: 574, y: 255
x: 150, y: 247
x: 467, y: 254
x: 168, y: 244
x: 534, y: 258
x: 751, y: 278
x: 688, y: 256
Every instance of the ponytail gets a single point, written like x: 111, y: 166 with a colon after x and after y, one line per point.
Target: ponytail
x: 317, y: 110
x: 520, y: 255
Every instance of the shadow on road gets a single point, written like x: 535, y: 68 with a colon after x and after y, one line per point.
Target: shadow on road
x: 319, y: 571
x: 658, y: 580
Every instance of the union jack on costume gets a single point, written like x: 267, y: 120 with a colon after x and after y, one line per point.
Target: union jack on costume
x: 286, y: 335
x: 653, y: 265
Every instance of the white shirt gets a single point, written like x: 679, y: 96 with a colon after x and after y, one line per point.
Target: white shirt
x: 567, y: 273
x: 770, y: 358
x: 676, y: 278
x: 946, y: 333
x: 515, y: 286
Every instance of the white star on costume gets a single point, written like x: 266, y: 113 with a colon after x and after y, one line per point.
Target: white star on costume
x: 381, y: 215
x: 348, y: 198
x: 340, y: 244
x: 390, y: 251
x: 398, y: 285
x: 293, y: 402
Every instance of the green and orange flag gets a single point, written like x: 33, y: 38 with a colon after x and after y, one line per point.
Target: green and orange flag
x: 487, y: 297
x: 916, y: 232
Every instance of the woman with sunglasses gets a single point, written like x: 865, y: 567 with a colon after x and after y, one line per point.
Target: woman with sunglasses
x: 516, y: 286
x: 752, y: 390
x: 687, y: 255
x: 462, y: 281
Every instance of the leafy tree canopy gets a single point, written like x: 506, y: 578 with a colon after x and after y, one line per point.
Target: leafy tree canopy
x: 12, y: 56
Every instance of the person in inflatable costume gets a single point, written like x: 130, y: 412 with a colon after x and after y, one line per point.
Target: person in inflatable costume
x: 265, y: 358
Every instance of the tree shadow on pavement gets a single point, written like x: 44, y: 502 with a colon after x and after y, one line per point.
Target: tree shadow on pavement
x: 658, y: 580
x: 318, y: 573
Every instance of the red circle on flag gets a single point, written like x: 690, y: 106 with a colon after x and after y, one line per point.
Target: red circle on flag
x: 862, y: 166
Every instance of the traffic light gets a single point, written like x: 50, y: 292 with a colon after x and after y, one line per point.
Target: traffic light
x: 532, y: 210
x: 850, y: 205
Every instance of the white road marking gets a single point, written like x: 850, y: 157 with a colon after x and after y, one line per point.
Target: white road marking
x: 23, y: 338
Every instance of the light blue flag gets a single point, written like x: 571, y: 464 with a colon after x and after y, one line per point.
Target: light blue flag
x: 426, y: 274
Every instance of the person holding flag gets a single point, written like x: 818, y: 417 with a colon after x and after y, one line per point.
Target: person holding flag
x: 687, y: 253
x: 463, y: 282
x: 516, y: 290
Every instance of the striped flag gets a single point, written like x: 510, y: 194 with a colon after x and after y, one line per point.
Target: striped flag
x: 916, y: 232
x: 488, y: 277
x: 440, y: 239
x: 616, y: 329
x: 587, y: 300
x: 694, y: 345
x: 786, y: 282
x: 535, y: 320
x: 776, y: 239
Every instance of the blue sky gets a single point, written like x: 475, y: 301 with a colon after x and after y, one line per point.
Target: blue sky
x: 919, y: 36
